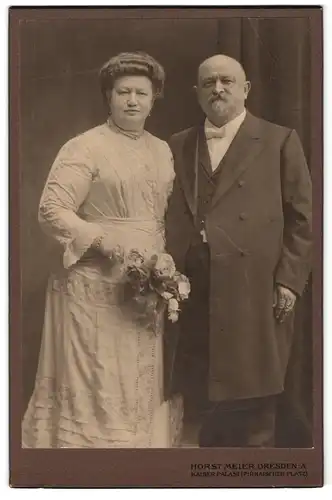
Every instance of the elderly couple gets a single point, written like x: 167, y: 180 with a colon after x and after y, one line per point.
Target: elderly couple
x: 230, y: 200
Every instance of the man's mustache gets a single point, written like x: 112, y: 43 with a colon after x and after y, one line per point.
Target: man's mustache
x: 218, y: 97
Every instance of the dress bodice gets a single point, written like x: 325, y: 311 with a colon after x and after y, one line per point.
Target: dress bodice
x: 132, y: 178
x: 103, y: 180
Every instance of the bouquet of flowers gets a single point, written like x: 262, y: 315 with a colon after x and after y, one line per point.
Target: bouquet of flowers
x: 154, y: 283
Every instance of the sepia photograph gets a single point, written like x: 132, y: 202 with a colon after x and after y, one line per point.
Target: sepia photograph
x: 166, y: 173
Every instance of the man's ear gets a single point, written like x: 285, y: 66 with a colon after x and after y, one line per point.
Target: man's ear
x: 247, y: 87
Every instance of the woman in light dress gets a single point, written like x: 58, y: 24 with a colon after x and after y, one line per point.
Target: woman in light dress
x: 99, y: 382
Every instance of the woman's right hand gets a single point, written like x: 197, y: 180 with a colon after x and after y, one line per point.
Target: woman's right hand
x: 106, y: 246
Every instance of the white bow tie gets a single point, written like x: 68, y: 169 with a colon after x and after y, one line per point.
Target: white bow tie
x: 215, y: 133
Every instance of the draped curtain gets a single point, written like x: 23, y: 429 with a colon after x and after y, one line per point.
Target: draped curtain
x: 59, y: 62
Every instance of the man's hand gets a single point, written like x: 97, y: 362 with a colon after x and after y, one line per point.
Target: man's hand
x: 284, y: 302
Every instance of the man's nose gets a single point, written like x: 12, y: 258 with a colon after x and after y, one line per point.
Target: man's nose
x: 132, y: 101
x: 218, y: 87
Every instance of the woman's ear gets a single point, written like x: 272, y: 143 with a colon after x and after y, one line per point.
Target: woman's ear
x: 108, y: 96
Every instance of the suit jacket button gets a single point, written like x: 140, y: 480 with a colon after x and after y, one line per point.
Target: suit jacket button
x: 243, y: 216
x: 241, y: 183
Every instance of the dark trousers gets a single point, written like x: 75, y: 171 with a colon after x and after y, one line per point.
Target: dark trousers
x: 239, y: 423
x: 193, y: 349
x: 243, y: 423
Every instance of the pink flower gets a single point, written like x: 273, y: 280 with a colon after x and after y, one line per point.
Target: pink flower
x: 163, y: 265
x: 135, y: 258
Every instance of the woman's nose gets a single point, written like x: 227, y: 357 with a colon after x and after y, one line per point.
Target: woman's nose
x: 132, y: 101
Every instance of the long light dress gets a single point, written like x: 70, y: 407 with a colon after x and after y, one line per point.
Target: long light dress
x: 99, y: 381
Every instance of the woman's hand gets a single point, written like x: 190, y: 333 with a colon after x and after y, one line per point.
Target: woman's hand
x: 105, y: 245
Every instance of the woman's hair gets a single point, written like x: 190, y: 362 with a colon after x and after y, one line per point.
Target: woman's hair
x: 132, y: 63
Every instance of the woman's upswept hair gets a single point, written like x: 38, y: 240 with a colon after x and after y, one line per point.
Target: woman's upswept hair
x: 132, y: 63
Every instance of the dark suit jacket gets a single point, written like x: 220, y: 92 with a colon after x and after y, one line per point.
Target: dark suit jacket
x: 259, y: 231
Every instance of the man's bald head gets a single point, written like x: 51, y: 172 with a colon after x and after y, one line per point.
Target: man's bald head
x: 220, y: 61
x: 222, y: 88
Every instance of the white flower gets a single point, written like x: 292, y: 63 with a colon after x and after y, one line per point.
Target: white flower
x: 173, y: 305
x: 166, y: 295
x: 184, y: 289
x: 173, y: 316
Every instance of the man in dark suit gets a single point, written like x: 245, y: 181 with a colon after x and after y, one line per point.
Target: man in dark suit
x: 239, y: 225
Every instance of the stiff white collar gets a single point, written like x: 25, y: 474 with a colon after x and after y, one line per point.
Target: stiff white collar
x: 228, y: 130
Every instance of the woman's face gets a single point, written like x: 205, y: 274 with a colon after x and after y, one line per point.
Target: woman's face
x: 131, y: 101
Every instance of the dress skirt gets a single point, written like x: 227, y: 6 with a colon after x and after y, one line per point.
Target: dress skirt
x: 99, y: 382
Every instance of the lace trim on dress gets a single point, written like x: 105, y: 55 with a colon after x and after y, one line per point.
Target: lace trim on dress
x: 76, y: 417
x: 75, y: 250
x: 49, y: 423
x: 129, y: 133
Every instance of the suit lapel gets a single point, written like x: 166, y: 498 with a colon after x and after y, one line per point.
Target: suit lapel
x: 195, y: 154
x: 188, y: 172
x: 245, y: 146
x: 203, y: 150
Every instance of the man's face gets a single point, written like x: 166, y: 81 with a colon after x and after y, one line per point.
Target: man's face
x: 222, y: 89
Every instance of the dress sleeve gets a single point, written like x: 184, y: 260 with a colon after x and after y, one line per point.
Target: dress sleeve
x: 66, y: 188
x: 170, y: 160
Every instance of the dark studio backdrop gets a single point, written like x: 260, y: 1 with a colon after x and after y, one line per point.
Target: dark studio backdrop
x: 60, y: 98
